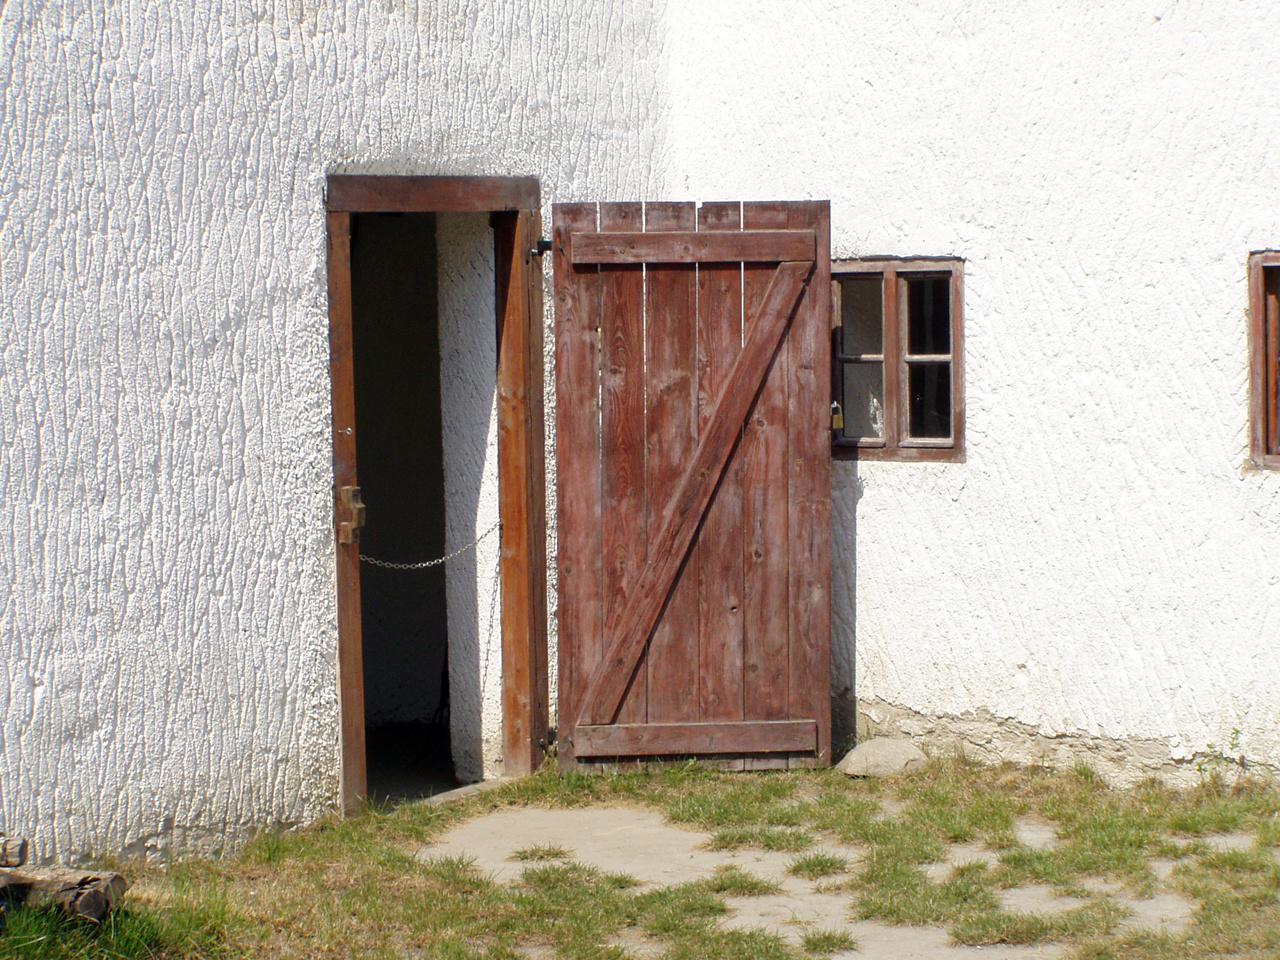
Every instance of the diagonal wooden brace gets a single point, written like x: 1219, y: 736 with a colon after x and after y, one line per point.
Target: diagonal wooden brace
x: 683, y: 512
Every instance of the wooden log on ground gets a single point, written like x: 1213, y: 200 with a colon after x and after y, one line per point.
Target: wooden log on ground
x: 13, y: 851
x: 79, y: 893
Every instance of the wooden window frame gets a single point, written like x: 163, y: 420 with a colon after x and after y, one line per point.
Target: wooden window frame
x: 896, y: 444
x: 1264, y: 353
x: 514, y: 206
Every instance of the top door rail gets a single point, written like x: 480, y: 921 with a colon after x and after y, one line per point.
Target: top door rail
x: 752, y: 246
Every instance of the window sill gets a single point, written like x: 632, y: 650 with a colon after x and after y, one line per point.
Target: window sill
x: 851, y: 451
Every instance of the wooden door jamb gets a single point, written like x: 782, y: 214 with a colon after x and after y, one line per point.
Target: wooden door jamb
x: 515, y: 205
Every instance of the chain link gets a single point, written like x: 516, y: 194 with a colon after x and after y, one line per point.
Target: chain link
x: 389, y: 565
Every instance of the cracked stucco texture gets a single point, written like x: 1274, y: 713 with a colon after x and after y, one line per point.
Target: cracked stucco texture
x: 167, y: 608
x: 1104, y: 564
x: 469, y: 364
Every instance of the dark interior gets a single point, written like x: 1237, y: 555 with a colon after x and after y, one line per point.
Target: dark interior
x: 399, y: 451
x: 929, y: 333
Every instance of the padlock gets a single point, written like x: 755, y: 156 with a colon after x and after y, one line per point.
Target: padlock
x: 837, y: 416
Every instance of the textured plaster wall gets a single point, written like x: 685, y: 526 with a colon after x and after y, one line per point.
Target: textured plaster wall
x: 1103, y: 565
x: 1106, y: 563
x: 468, y: 382
x: 167, y: 610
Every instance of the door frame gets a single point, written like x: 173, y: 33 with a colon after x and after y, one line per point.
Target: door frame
x: 514, y: 206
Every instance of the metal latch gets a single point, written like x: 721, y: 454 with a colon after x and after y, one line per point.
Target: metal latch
x: 349, y: 529
x: 837, y: 416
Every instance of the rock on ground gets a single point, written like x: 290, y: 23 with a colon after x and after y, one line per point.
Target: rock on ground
x: 882, y: 757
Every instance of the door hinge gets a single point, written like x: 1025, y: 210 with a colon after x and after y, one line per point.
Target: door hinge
x: 349, y: 526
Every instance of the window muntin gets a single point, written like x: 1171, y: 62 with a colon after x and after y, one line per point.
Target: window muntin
x: 897, y: 360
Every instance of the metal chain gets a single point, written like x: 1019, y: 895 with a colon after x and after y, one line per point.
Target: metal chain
x: 431, y: 563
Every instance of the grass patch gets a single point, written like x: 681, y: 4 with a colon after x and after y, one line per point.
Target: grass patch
x: 732, y: 945
x: 358, y: 888
x: 813, y: 866
x: 679, y: 912
x: 895, y: 891
x: 732, y: 881
x: 540, y: 852
x: 958, y: 809
x: 895, y: 840
x: 183, y: 930
x: 760, y: 838
x: 978, y: 929
x: 823, y: 942
x: 742, y: 802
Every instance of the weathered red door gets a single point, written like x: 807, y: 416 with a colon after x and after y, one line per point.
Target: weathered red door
x: 693, y: 474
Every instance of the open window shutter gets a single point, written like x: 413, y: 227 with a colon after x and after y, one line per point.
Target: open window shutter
x: 693, y: 474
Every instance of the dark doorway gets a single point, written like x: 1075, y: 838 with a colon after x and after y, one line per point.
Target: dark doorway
x: 396, y: 357
x: 512, y: 205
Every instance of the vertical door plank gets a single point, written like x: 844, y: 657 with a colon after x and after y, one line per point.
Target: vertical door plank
x: 671, y: 427
x: 720, y: 542
x: 764, y: 455
x: 342, y: 386
x: 580, y: 558
x: 519, y: 391
x: 622, y: 426
x: 808, y: 366
x: 684, y: 512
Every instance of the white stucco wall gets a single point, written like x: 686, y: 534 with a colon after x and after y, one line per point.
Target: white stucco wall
x: 468, y: 383
x: 167, y: 613
x: 1104, y: 564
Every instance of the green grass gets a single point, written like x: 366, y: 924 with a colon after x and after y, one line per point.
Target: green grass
x: 187, y: 929
x: 760, y: 838
x: 823, y: 942
x: 546, y: 851
x: 733, y: 881
x: 812, y: 866
x: 764, y: 801
x: 356, y: 888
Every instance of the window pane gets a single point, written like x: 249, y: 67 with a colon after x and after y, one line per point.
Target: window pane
x: 930, y: 386
x: 1271, y: 384
x: 861, y: 314
x: 929, y: 315
x: 863, y: 400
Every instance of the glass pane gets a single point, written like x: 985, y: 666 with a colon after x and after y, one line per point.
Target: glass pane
x: 1273, y: 441
x: 863, y: 400
x: 861, y: 314
x: 1271, y: 422
x: 930, y: 386
x: 929, y: 315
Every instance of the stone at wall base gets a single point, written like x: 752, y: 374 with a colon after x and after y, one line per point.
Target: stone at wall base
x: 882, y: 757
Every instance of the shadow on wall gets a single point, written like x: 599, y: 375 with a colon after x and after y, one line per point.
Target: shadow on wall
x: 847, y: 488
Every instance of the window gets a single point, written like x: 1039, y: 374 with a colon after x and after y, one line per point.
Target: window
x: 898, y: 359
x: 1264, y: 359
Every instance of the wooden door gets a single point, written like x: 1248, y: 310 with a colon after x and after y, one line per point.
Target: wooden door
x: 693, y: 474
